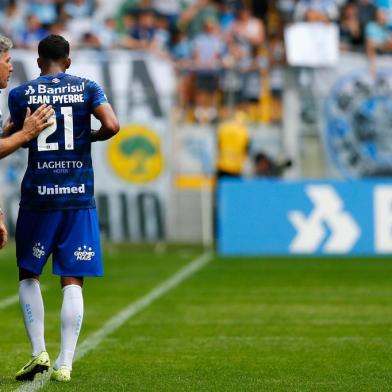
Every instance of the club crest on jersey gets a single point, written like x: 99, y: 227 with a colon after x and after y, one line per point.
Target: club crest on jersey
x: 84, y: 253
x: 30, y: 90
x: 38, y: 250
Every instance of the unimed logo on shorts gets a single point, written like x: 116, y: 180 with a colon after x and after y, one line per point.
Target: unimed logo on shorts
x: 84, y: 253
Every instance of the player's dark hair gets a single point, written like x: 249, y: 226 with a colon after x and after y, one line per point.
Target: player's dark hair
x: 53, y: 47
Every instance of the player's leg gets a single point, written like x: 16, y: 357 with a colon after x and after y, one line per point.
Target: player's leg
x: 71, y: 323
x: 34, y: 235
x: 76, y: 255
x: 32, y: 307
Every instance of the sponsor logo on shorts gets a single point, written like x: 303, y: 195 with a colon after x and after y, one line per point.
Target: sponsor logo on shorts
x: 84, y: 253
x: 38, y: 250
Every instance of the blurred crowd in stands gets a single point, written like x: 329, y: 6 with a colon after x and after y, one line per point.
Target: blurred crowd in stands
x: 225, y: 51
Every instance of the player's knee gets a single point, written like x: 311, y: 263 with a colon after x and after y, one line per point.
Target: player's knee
x: 68, y: 280
x: 26, y: 274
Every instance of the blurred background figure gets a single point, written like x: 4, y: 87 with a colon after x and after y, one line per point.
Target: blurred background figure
x: 208, y: 47
x: 316, y: 11
x: 351, y: 34
x: 32, y: 34
x: 193, y: 18
x: 378, y: 37
x: 232, y: 147
x: 265, y: 166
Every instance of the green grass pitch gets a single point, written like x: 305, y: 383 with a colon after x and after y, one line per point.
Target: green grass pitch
x: 238, y: 324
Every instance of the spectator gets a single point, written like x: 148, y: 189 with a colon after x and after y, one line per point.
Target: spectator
x: 378, y: 38
x: 90, y: 41
x: 366, y: 13
x: 106, y: 9
x: 80, y: 22
x: 59, y: 28
x: 351, y: 37
x: 127, y: 24
x: 208, y: 47
x: 386, y: 6
x: 226, y: 15
x: 79, y: 9
x: 286, y: 8
x: 316, y: 11
x: 169, y: 9
x: 127, y: 8
x: 34, y: 32
x: 234, y: 62
x: 12, y: 19
x: 107, y: 33
x: 141, y: 34
x: 161, y: 39
x: 275, y: 73
x: 194, y: 17
x: 254, y: 70
x: 247, y: 28
x: 45, y: 10
x: 182, y: 56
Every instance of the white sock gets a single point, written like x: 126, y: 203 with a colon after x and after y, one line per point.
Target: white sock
x: 30, y: 299
x: 71, y: 322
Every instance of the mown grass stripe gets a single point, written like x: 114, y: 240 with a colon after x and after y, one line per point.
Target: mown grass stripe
x: 13, y: 299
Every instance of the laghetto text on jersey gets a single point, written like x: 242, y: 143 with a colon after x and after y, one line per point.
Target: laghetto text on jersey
x: 59, y: 174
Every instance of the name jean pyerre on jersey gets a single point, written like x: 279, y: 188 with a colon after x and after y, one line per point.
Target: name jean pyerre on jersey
x: 61, y: 190
x: 52, y: 95
x: 59, y: 165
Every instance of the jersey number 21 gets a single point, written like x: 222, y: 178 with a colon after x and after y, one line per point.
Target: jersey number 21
x: 66, y: 111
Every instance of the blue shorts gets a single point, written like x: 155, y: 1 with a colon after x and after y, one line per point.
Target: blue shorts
x: 71, y: 236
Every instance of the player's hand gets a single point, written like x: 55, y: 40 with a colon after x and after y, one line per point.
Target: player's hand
x: 8, y: 127
x: 3, y: 233
x: 35, y: 123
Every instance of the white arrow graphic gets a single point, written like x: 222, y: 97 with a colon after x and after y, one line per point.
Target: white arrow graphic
x: 328, y: 211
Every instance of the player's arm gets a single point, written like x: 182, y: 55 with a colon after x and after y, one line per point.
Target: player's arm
x: 3, y: 231
x: 32, y: 126
x: 109, y: 123
x: 102, y: 110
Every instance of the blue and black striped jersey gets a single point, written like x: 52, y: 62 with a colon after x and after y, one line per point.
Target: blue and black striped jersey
x: 59, y: 174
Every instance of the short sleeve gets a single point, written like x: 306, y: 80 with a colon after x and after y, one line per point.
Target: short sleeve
x: 96, y: 95
x: 17, y: 112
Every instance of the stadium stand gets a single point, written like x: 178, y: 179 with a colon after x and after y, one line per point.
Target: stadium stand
x: 237, y: 48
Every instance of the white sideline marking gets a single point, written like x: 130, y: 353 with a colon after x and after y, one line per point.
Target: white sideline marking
x: 13, y: 299
x: 91, y: 342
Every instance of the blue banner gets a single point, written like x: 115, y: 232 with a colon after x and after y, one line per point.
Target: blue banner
x: 263, y: 217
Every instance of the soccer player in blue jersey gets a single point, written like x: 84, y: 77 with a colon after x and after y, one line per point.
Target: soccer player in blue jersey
x: 57, y: 214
